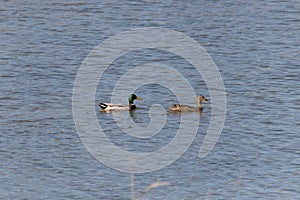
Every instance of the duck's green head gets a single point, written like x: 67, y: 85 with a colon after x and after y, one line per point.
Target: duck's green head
x: 133, y: 97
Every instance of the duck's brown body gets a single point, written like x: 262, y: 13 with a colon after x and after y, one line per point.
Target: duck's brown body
x: 181, y: 108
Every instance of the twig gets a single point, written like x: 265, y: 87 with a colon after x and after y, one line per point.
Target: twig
x: 152, y: 186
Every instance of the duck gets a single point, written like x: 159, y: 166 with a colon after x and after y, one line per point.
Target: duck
x: 119, y: 107
x: 180, y: 107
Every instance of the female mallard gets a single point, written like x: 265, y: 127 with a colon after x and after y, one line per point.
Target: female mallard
x: 116, y: 107
x: 179, y: 107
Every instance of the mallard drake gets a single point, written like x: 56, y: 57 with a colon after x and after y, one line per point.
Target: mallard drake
x: 179, y: 107
x: 119, y: 107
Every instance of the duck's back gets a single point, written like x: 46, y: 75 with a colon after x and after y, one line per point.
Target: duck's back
x: 179, y: 107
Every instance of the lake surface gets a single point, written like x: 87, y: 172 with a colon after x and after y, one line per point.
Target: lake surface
x: 255, y: 46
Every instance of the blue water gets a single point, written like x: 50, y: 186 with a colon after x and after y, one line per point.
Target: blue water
x: 254, y: 44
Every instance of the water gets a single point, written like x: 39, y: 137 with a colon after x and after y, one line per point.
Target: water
x: 254, y: 44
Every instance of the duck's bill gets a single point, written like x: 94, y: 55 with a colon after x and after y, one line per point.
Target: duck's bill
x: 139, y: 98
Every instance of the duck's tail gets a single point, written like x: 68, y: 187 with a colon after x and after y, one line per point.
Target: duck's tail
x: 102, y: 105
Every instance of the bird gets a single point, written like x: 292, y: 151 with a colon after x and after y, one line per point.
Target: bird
x: 120, y: 107
x: 180, y: 107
